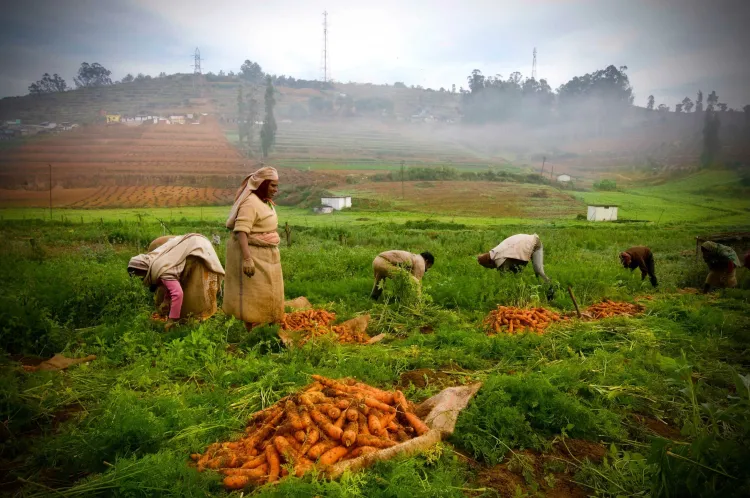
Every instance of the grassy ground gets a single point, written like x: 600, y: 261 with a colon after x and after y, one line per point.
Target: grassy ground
x: 656, y: 405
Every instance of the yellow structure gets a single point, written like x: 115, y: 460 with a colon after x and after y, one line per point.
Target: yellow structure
x: 113, y: 118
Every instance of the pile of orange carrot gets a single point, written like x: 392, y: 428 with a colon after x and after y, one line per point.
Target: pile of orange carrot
x: 607, y: 309
x: 327, y: 422
x: 316, y: 323
x: 511, y: 320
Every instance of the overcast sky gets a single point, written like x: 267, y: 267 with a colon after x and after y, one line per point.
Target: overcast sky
x: 672, y: 48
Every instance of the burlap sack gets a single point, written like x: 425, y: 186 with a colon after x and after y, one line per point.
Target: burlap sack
x: 200, y: 287
x: 442, y: 413
x: 59, y: 362
x: 297, y: 304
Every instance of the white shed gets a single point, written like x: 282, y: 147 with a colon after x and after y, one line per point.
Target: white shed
x: 323, y: 210
x: 602, y: 213
x: 337, y: 203
x: 563, y: 178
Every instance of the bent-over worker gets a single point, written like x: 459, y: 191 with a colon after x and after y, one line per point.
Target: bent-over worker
x: 164, y: 266
x: 514, y: 253
x: 640, y: 257
x: 385, y: 262
x: 254, y: 285
x: 722, y: 264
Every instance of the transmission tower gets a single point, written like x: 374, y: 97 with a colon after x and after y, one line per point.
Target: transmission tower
x: 326, y: 76
x: 197, y: 62
x: 533, y: 66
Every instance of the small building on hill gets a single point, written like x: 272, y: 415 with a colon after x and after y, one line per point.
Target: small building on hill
x: 337, y: 203
x: 564, y: 178
x: 602, y: 213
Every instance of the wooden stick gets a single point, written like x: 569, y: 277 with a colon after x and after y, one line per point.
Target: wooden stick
x: 575, y: 303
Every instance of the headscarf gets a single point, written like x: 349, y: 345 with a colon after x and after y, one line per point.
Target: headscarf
x: 721, y: 251
x: 249, y: 185
x: 485, y: 260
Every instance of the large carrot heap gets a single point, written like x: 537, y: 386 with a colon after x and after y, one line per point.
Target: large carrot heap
x: 516, y: 320
x: 327, y: 422
x: 607, y: 308
x: 317, y: 323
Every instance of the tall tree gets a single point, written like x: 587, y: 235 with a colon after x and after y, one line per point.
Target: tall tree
x: 268, y: 130
x: 127, y: 78
x: 251, y: 71
x: 48, y: 84
x: 252, y: 117
x: 711, y: 143
x: 650, y: 103
x: 712, y: 100
x: 240, y: 114
x: 663, y: 108
x: 699, y: 102
x: 747, y: 115
x: 678, y: 108
x: 722, y: 107
x: 90, y: 75
x: 687, y: 104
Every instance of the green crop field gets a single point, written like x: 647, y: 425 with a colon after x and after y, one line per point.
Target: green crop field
x: 656, y: 405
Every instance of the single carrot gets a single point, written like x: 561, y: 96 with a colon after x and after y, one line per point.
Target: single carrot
x: 362, y: 450
x: 384, y: 396
x: 349, y: 437
x: 313, y: 436
x: 255, y: 473
x: 325, y: 424
x: 333, y: 455
x: 265, y: 430
x: 401, y: 401
x: 330, y: 409
x: 274, y: 463
x: 340, y: 421
x: 419, y: 426
x: 300, y: 436
x: 285, y: 449
x: 343, y: 403
x: 313, y: 397
x: 402, y: 435
x: 236, y: 482
x: 375, y: 441
x: 373, y: 424
x: 255, y: 462
x: 320, y: 448
x: 362, y: 422
x: 379, y: 405
x: 195, y: 456
x: 352, y: 415
x: 293, y: 416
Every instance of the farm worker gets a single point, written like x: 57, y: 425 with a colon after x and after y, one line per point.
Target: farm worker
x: 722, y: 264
x: 514, y: 253
x: 254, y: 285
x: 385, y: 262
x: 165, y: 264
x: 640, y: 257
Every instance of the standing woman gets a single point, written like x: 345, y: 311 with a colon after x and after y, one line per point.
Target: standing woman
x: 254, y: 286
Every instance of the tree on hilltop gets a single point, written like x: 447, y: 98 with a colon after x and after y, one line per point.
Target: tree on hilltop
x: 128, y: 78
x: 699, y: 102
x: 650, y: 103
x: 687, y: 104
x: 91, y: 75
x: 268, y: 130
x: 48, y: 84
x: 251, y: 71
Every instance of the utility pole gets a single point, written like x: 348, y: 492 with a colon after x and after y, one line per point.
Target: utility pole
x: 325, y: 47
x: 402, y: 180
x: 50, y: 192
x: 544, y: 159
x: 533, y: 66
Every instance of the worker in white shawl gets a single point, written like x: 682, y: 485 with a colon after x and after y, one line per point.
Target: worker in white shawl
x: 514, y: 253
x: 165, y: 265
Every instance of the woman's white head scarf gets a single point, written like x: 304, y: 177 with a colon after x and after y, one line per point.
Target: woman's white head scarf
x: 249, y: 185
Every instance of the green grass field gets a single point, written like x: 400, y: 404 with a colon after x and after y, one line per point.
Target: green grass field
x: 653, y: 405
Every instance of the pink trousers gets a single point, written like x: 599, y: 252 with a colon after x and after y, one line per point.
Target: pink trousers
x: 174, y: 289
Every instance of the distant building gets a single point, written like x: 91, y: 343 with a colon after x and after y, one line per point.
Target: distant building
x: 323, y: 210
x: 563, y: 178
x: 337, y: 203
x: 177, y: 119
x: 113, y: 118
x: 602, y: 213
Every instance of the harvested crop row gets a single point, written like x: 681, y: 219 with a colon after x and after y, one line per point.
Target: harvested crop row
x: 511, y: 320
x: 327, y: 422
x: 607, y: 309
x: 316, y: 323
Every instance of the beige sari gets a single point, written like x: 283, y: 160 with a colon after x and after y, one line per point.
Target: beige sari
x: 260, y: 298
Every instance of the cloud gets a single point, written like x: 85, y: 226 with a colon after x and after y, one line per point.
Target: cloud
x: 668, y: 45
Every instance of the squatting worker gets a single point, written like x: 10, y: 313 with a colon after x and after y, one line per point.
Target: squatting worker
x: 722, y: 264
x: 165, y: 264
x: 640, y: 257
x: 385, y: 262
x: 514, y: 253
x: 254, y: 285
